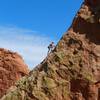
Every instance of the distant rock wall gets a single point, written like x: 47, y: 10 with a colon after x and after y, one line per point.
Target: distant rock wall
x: 12, y: 68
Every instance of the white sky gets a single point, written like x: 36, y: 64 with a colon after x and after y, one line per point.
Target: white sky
x: 30, y: 45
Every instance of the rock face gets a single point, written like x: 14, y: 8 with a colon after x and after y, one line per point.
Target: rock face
x: 72, y: 70
x: 12, y: 68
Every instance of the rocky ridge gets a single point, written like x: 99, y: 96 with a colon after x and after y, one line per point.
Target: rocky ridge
x: 12, y: 68
x: 72, y: 70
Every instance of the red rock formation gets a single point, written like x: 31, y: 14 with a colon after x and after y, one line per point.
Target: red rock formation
x: 72, y: 70
x: 12, y: 68
x: 92, y: 2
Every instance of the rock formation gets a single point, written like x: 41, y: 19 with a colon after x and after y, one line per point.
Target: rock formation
x: 72, y: 70
x: 12, y: 68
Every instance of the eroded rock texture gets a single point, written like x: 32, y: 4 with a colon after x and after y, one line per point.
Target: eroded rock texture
x: 12, y: 68
x: 72, y: 70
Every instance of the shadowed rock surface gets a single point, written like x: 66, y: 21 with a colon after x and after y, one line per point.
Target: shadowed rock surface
x: 72, y: 70
x: 12, y: 68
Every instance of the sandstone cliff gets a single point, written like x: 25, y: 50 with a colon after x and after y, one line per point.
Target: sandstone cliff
x: 12, y: 68
x: 72, y: 70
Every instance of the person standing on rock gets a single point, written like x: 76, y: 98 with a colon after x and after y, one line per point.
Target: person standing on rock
x: 51, y: 47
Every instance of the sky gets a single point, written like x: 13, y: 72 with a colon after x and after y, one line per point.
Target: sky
x: 28, y: 26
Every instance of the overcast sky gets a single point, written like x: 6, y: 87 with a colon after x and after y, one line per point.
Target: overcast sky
x: 28, y: 26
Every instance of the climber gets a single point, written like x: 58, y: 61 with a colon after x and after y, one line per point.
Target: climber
x: 51, y: 47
